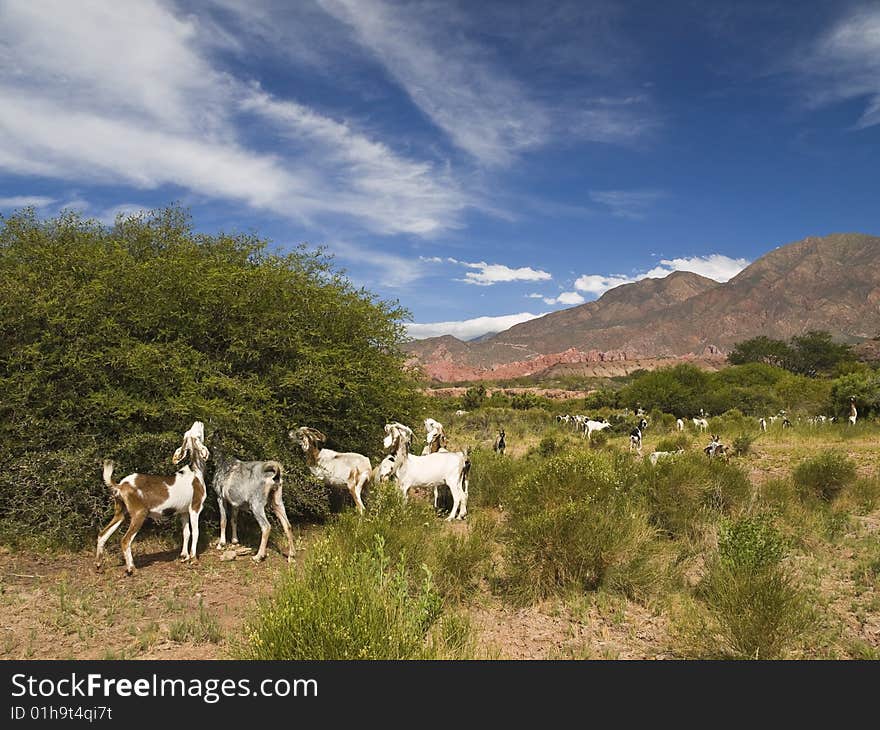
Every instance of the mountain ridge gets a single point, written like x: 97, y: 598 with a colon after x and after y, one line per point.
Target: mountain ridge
x: 830, y: 282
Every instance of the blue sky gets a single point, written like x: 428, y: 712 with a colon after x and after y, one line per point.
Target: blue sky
x: 481, y: 162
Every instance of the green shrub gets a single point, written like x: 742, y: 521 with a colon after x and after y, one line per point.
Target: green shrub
x: 751, y: 607
x: 674, y: 443
x: 742, y: 444
x: 548, y: 446
x: 573, y: 524
x: 686, y: 492
x: 598, y: 440
x: 825, y: 475
x: 458, y: 561
x: 345, y: 606
x: 104, y: 354
x: 490, y: 477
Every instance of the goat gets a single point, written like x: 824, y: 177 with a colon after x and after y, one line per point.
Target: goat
x: 635, y: 440
x: 436, y: 437
x: 853, y: 411
x: 701, y: 423
x: 716, y: 448
x: 334, y: 468
x: 500, y: 444
x: 762, y: 422
x: 643, y: 425
x: 461, y: 412
x: 432, y: 470
x: 655, y: 456
x: 679, y: 424
x: 146, y: 495
x: 591, y: 426
x: 249, y: 485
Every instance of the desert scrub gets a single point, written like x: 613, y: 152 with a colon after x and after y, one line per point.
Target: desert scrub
x: 747, y: 604
x: 574, y: 524
x: 346, y: 606
x: 201, y: 628
x: 742, y: 444
x: 686, y: 492
x: 825, y: 475
x: 458, y: 561
x: 674, y: 443
x: 490, y: 477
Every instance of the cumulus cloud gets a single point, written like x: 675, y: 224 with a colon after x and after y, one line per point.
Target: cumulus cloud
x: 567, y: 297
x: 715, y: 266
x: 488, y: 274
x: 468, y: 329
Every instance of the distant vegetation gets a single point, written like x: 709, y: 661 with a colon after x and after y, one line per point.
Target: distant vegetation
x: 114, y: 339
x: 813, y: 353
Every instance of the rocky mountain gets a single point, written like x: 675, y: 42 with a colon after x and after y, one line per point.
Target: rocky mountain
x: 830, y: 283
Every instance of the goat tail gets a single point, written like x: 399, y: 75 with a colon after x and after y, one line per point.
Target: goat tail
x: 108, y: 477
x: 273, y: 469
x: 465, y: 470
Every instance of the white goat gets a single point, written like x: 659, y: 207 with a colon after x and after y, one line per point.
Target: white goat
x: 655, y: 456
x: 435, y: 437
x: 432, y: 470
x: 701, y: 423
x: 679, y: 424
x: 853, y: 411
x: 336, y: 469
x: 249, y: 485
x: 146, y: 495
x: 591, y: 426
x: 461, y: 412
x: 762, y: 422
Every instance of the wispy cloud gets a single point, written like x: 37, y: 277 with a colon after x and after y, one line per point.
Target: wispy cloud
x: 633, y: 204
x: 109, y: 93
x: 715, y: 266
x: 25, y: 201
x: 844, y: 63
x: 388, y: 269
x: 483, y: 110
x: 468, y: 329
x: 485, y: 274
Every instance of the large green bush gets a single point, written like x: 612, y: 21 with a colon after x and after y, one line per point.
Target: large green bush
x: 824, y: 475
x: 575, y: 523
x: 114, y: 339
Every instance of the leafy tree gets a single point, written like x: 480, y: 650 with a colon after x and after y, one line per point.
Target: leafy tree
x: 816, y: 353
x: 473, y: 397
x: 763, y: 350
x: 114, y: 339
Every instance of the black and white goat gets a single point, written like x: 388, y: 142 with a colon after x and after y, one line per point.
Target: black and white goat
x: 635, y: 440
x: 500, y: 443
x: 147, y: 495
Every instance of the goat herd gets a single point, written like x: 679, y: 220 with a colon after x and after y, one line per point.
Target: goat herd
x: 255, y: 485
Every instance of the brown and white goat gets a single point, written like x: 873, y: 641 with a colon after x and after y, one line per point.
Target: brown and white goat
x: 347, y: 469
x: 146, y: 495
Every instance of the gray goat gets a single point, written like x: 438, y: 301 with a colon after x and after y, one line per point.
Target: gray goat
x: 249, y: 485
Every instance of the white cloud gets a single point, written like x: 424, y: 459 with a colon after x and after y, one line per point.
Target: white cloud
x: 482, y: 109
x: 844, y: 63
x: 714, y: 266
x: 598, y: 284
x: 567, y: 297
x: 632, y: 204
x: 127, y: 93
x: 489, y: 274
x: 25, y: 201
x: 534, y: 295
x: 468, y: 329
